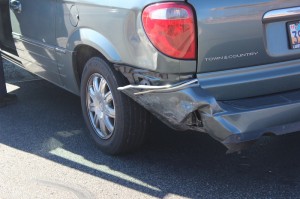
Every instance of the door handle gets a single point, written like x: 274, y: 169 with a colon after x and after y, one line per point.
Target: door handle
x: 15, y: 5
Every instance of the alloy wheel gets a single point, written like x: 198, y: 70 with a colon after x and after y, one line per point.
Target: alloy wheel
x: 100, y: 106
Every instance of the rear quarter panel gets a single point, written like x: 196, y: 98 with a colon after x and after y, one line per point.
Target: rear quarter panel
x: 117, y: 24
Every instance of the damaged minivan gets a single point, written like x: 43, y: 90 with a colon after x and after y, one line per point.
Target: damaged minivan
x: 230, y: 69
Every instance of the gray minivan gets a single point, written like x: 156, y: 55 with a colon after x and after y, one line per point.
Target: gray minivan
x: 227, y: 68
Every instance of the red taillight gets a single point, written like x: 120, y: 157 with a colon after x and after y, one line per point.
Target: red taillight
x: 171, y: 29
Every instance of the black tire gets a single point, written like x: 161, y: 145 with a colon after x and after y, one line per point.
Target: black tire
x: 131, y: 120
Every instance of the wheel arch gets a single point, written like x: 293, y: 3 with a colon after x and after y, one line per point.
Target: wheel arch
x: 92, y: 38
x: 86, y: 43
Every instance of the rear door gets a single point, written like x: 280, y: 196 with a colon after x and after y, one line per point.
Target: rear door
x: 33, y: 31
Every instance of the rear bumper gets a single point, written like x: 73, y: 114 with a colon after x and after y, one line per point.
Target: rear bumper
x: 252, y: 81
x: 234, y: 123
x: 246, y: 120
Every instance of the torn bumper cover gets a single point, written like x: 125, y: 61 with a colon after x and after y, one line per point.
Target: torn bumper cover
x: 236, y: 123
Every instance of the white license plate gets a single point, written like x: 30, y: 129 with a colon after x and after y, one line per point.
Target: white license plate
x: 294, y: 34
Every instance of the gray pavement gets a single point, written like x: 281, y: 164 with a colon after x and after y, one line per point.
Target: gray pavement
x: 17, y: 74
x: 45, y: 152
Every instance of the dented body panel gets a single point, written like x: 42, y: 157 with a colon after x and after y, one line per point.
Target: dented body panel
x: 235, y: 123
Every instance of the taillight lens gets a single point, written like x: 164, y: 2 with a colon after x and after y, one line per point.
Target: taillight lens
x: 171, y: 29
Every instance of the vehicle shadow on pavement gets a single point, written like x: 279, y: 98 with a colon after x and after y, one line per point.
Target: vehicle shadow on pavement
x: 47, y: 122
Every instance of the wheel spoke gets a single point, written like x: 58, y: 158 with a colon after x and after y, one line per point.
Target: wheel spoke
x: 92, y: 93
x: 96, y: 84
x: 92, y: 107
x: 108, y: 124
x: 96, y: 120
x: 108, y: 97
x: 103, y: 86
x: 110, y: 112
x: 103, y: 127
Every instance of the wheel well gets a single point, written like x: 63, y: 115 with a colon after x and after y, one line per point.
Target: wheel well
x: 82, y: 54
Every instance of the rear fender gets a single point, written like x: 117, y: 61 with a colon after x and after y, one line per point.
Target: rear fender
x: 89, y: 37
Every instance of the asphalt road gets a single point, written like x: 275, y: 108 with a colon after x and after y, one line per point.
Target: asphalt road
x: 45, y: 152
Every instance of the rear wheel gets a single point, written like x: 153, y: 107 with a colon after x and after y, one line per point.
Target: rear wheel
x: 115, y: 121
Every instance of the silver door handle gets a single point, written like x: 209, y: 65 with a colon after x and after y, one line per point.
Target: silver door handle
x: 15, y: 5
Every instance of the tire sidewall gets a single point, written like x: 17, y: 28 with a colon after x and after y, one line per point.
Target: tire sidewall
x: 98, y: 65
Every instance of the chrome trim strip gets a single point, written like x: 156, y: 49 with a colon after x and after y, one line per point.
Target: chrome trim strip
x: 60, y: 50
x: 281, y: 14
x: 21, y: 38
x: 32, y: 42
x: 161, y: 89
x: 11, y: 58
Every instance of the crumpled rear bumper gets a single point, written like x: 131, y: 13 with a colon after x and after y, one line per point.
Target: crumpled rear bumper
x: 234, y: 123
